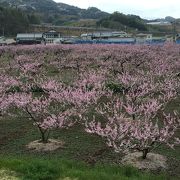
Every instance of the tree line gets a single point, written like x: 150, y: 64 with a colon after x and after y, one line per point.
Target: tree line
x: 120, y: 21
x: 13, y: 21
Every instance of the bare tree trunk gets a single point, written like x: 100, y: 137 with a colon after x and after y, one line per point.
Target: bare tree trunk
x: 44, y: 135
x: 145, y: 152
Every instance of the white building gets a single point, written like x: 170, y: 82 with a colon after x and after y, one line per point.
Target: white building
x: 160, y: 23
x: 169, y: 38
x: 142, y: 38
x: 105, y: 35
x: 51, y: 36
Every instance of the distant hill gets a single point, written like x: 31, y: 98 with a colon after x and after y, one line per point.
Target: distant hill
x: 61, y: 14
x: 121, y: 21
x: 166, y: 19
x: 55, y: 13
x: 90, y: 13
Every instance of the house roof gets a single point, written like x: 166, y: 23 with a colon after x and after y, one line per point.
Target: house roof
x: 29, y: 35
x: 51, y: 32
x: 143, y: 35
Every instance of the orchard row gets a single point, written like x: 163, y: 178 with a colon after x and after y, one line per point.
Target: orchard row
x: 126, y: 88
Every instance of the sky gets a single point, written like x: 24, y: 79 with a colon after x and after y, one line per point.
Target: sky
x: 149, y: 9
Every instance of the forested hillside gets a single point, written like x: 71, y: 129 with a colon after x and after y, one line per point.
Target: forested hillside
x: 17, y: 15
x: 13, y: 21
x: 55, y: 13
x: 121, y: 21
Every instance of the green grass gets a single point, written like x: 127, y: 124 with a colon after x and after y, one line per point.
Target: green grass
x: 43, y: 169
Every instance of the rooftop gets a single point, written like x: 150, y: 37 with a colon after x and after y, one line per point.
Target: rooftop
x: 29, y: 35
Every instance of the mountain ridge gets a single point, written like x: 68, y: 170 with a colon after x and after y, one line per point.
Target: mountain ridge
x: 57, y: 12
x: 48, y: 12
x: 50, y: 8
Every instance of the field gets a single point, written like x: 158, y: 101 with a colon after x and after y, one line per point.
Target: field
x: 59, y: 89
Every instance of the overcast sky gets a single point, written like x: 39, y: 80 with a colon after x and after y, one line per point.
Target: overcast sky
x: 145, y: 8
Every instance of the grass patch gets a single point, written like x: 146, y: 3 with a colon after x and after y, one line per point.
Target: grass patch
x: 43, y: 169
x: 68, y: 163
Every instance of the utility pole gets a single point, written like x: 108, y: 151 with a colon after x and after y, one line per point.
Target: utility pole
x: 174, y: 30
x: 3, y: 31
